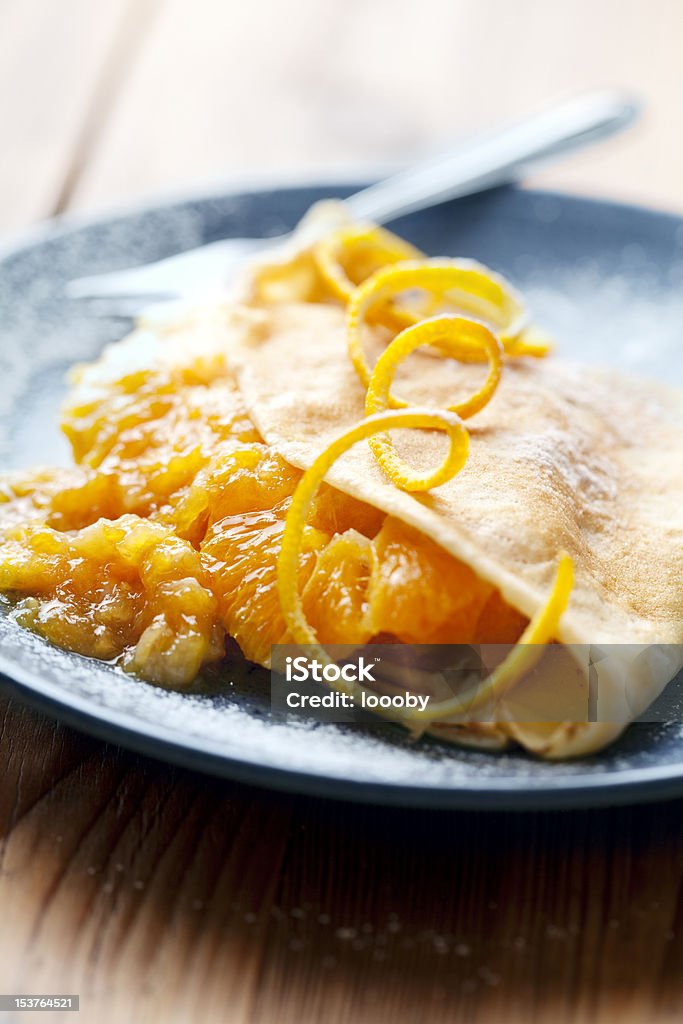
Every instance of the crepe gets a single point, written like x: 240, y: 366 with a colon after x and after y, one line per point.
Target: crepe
x: 564, y: 458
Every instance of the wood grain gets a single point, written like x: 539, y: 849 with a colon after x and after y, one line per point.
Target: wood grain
x: 163, y: 896
x: 142, y: 886
x: 58, y: 65
x: 221, y: 89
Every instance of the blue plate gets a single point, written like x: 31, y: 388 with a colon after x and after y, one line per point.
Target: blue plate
x: 606, y: 279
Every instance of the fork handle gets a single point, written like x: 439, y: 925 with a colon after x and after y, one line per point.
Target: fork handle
x: 497, y: 158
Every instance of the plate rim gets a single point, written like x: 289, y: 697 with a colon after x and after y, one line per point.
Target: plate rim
x: 118, y: 728
x: 49, y: 228
x: 601, y: 788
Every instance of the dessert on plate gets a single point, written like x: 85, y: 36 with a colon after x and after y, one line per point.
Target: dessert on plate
x: 360, y: 445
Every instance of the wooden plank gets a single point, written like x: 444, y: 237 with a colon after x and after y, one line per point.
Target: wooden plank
x: 225, y: 88
x: 160, y: 895
x: 58, y: 65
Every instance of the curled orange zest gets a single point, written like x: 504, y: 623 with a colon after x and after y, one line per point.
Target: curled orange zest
x: 468, y: 284
x: 457, y: 337
x: 347, y: 257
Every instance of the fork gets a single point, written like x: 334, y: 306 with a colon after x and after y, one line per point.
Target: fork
x: 496, y: 158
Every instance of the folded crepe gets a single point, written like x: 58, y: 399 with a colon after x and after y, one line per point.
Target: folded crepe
x: 564, y: 457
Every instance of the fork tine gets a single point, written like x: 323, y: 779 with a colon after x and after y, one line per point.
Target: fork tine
x: 196, y: 270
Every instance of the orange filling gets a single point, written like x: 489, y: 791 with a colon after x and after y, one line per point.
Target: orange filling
x: 166, y: 536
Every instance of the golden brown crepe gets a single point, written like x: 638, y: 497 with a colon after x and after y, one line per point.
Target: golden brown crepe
x: 564, y: 457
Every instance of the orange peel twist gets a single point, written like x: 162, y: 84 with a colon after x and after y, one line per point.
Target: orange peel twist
x: 358, y: 247
x: 458, y: 337
x: 484, y: 294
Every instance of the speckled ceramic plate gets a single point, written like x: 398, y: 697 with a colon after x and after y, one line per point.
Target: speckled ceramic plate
x: 606, y: 279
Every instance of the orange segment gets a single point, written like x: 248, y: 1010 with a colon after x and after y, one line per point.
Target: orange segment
x: 335, y: 597
x: 240, y: 554
x: 419, y: 592
x: 335, y: 512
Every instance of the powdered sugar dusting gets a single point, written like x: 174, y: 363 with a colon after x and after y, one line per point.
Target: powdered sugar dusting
x: 605, y: 320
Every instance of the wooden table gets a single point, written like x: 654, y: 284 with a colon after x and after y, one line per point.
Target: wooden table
x: 164, y: 896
